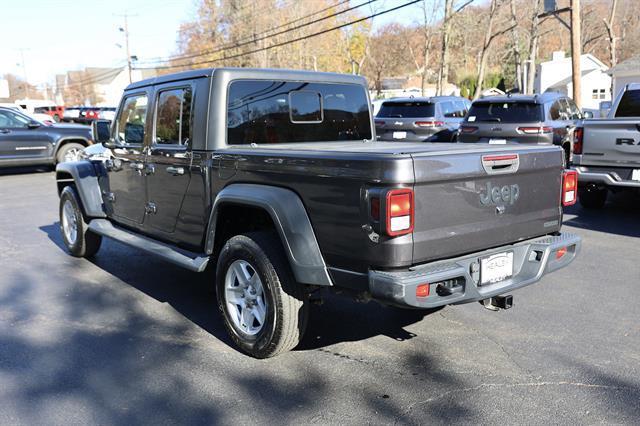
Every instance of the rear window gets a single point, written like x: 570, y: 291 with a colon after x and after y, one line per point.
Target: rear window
x: 286, y: 111
x: 629, y: 104
x: 407, y: 110
x: 505, y: 112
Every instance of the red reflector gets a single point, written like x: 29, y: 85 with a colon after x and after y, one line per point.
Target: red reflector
x: 468, y: 129
x: 569, y: 187
x: 375, y: 208
x: 422, y: 290
x: 561, y: 252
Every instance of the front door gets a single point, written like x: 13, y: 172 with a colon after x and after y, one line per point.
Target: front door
x: 22, y: 139
x: 169, y: 158
x: 126, y: 196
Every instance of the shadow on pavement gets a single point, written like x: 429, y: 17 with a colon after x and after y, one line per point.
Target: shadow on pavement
x: 192, y: 294
x: 619, y: 216
x: 25, y: 170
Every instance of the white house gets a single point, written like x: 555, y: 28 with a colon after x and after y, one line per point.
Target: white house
x: 624, y: 73
x: 555, y: 75
x: 107, y: 83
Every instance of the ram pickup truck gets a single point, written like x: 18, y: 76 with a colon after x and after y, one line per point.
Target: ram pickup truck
x: 606, y: 152
x: 273, y: 182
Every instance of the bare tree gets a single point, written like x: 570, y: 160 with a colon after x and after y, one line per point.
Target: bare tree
x: 490, y: 36
x: 611, y: 33
x: 534, y: 38
x: 449, y: 13
x: 519, y: 80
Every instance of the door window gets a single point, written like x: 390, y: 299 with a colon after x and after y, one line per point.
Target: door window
x: 173, y: 117
x: 9, y: 119
x: 629, y: 104
x: 132, y: 119
x: 555, y: 110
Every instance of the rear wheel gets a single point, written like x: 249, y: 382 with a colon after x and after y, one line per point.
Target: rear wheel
x: 78, y: 239
x: 265, y: 310
x: 69, y: 152
x: 591, y: 197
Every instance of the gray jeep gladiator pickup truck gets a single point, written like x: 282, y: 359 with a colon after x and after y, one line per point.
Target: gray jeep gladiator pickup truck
x: 274, y: 179
x: 606, y: 152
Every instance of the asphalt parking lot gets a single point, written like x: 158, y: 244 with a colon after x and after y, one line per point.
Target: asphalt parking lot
x: 127, y: 338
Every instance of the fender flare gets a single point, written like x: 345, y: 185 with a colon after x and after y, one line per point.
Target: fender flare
x: 291, y: 221
x: 86, y: 182
x: 62, y: 141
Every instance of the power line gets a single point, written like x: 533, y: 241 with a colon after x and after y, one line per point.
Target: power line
x: 337, y: 27
x: 263, y: 35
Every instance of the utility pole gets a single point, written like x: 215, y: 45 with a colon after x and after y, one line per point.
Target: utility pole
x: 576, y: 52
x: 24, y: 73
x: 125, y: 30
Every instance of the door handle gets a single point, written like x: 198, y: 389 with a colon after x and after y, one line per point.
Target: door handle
x: 175, y: 171
x: 5, y: 131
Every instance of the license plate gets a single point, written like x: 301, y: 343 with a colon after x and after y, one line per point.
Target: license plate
x: 497, y: 141
x: 497, y: 267
x: 399, y: 135
x: 635, y: 175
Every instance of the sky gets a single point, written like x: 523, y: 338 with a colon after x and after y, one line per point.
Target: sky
x: 61, y: 35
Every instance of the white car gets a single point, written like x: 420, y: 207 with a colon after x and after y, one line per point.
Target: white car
x: 43, y: 118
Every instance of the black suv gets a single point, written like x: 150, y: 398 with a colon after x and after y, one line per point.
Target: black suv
x: 549, y: 118
x: 434, y: 119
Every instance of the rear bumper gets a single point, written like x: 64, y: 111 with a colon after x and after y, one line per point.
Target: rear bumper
x: 531, y: 260
x: 604, y: 177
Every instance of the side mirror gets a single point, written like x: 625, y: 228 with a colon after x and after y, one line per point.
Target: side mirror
x: 101, y: 131
x: 587, y: 114
x: 33, y: 125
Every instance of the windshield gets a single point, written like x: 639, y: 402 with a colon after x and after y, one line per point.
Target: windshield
x: 407, y: 110
x: 505, y: 112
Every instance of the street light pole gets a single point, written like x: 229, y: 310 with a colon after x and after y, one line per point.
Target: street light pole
x: 576, y: 51
x: 24, y: 74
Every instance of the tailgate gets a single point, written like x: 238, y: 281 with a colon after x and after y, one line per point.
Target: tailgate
x: 464, y: 203
x: 611, y: 143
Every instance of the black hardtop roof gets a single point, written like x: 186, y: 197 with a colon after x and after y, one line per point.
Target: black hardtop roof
x: 536, y: 99
x: 430, y: 99
x: 251, y: 73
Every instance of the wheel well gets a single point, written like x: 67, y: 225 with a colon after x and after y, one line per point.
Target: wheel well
x: 234, y: 219
x: 64, y: 142
x: 63, y: 179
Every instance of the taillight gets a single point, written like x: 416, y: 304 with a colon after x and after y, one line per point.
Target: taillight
x: 429, y: 123
x: 535, y: 130
x: 569, y: 187
x: 379, y: 123
x: 468, y: 129
x: 578, y: 136
x: 400, y: 212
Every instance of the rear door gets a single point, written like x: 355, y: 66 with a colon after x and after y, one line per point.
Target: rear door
x: 20, y: 142
x: 126, y: 171
x: 169, y: 157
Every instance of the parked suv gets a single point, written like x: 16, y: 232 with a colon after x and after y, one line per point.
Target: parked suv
x: 549, y: 118
x: 56, y: 112
x: 434, y: 119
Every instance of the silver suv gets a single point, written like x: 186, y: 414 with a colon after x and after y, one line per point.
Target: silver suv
x: 434, y: 119
x: 549, y: 118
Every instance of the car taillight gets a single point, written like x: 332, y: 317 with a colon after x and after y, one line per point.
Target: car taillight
x: 578, y: 136
x: 468, y: 129
x: 400, y: 212
x: 429, y: 123
x: 535, y: 130
x: 569, y: 187
x: 379, y: 123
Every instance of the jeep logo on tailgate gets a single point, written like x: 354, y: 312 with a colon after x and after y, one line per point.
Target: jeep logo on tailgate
x: 495, y: 195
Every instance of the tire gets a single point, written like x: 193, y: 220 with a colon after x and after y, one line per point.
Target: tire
x: 81, y: 242
x: 69, y: 152
x: 591, y: 197
x: 276, y: 297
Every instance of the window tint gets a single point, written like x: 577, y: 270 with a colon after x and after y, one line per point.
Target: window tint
x: 173, y: 117
x: 505, y: 112
x: 407, y: 110
x: 306, y: 107
x: 629, y: 105
x: 281, y: 112
x: 9, y: 119
x: 131, y: 120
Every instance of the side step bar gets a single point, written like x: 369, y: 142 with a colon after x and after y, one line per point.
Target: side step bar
x: 105, y: 228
